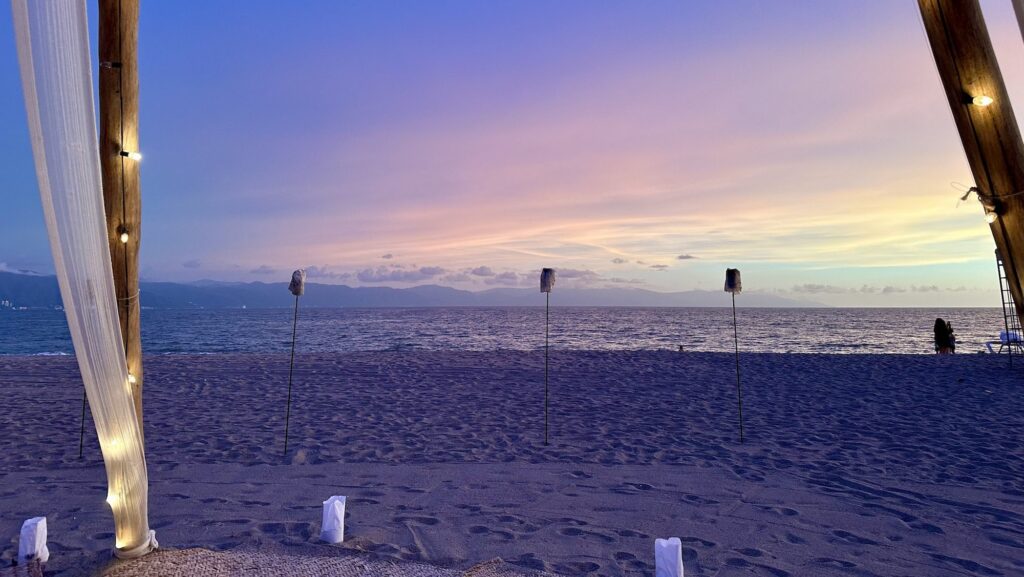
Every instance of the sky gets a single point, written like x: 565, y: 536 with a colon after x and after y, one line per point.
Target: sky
x: 469, y: 144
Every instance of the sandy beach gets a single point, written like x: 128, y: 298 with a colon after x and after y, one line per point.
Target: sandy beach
x: 852, y: 465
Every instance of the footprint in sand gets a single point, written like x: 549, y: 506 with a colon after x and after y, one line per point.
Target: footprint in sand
x: 699, y: 541
x: 998, y: 539
x: 518, y: 523
x: 529, y: 561
x: 632, y: 534
x: 574, y: 532
x: 698, y: 500
x: 794, y: 539
x: 851, y: 538
x: 784, y: 511
x: 972, y: 566
x: 361, y: 501
x: 576, y: 568
x: 488, y: 532
x: 829, y: 562
x: 571, y: 521
x: 417, y: 520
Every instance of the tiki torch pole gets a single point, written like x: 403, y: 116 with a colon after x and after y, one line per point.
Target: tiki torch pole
x: 733, y: 285
x: 547, y: 282
x: 736, y: 342
x: 297, y: 287
x: 547, y: 313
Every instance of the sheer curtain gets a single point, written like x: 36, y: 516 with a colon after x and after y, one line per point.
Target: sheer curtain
x: 53, y: 52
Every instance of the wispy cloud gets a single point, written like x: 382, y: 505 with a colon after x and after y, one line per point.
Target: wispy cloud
x: 326, y: 272
x: 397, y: 275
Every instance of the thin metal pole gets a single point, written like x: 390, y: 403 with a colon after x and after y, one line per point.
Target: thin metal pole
x: 291, y: 369
x: 81, y: 434
x: 547, y: 312
x: 736, y: 340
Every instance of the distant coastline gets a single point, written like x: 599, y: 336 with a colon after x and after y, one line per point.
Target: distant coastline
x: 42, y: 292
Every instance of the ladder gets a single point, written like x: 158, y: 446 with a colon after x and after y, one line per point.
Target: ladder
x: 1011, y: 322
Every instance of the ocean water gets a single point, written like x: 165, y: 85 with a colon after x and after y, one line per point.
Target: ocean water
x: 836, y: 330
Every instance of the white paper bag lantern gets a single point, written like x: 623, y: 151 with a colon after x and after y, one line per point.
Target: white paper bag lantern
x: 732, y: 281
x: 333, y: 528
x: 32, y: 544
x: 547, y: 280
x: 668, y: 557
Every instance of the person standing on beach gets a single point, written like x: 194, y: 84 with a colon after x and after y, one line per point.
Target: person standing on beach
x: 943, y: 337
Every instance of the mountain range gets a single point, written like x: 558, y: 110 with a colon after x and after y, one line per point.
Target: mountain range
x: 38, y: 291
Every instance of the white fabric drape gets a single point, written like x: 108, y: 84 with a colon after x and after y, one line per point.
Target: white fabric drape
x: 53, y: 52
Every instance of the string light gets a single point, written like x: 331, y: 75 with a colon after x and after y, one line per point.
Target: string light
x: 131, y: 379
x: 992, y: 205
x: 138, y: 155
x: 123, y: 234
x: 981, y: 100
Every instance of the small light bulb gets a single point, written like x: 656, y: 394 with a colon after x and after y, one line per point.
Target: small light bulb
x: 138, y: 155
x: 131, y: 379
x: 981, y: 100
x: 990, y: 216
x: 124, y: 238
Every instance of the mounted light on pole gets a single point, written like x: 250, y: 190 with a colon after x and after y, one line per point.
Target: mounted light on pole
x: 981, y: 100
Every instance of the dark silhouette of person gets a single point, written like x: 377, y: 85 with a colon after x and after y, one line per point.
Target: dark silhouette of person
x: 943, y: 337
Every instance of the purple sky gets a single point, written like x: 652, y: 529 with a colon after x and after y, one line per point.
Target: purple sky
x: 470, y: 144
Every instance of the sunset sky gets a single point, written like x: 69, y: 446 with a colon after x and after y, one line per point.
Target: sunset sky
x: 469, y: 144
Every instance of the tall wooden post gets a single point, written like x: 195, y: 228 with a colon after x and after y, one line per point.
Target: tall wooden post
x: 119, y: 135
x: 991, y: 138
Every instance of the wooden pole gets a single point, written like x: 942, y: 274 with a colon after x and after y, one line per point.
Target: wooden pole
x: 990, y: 136
x: 547, y: 316
x: 119, y: 123
x: 291, y: 369
x: 736, y: 342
